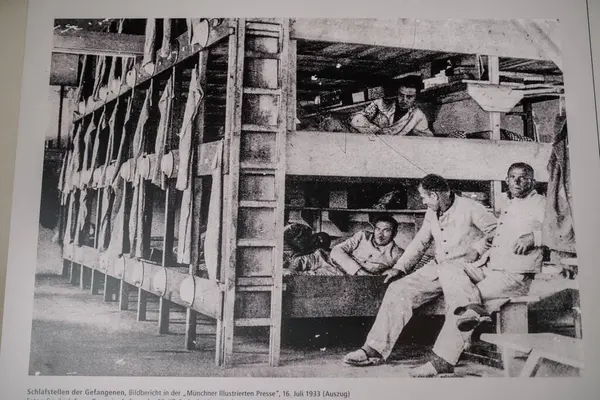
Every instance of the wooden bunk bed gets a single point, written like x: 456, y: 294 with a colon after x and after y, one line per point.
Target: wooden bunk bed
x: 245, y: 140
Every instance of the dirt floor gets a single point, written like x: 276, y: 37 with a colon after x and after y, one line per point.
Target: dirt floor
x: 77, y: 333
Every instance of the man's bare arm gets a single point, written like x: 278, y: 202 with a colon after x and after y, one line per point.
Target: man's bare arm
x: 342, y: 254
x: 361, y: 123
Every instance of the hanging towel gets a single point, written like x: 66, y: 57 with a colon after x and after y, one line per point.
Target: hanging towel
x: 212, y: 241
x: 165, y: 106
x: 149, y: 43
x: 165, y: 48
x: 136, y: 216
x: 195, y: 95
x: 558, y: 232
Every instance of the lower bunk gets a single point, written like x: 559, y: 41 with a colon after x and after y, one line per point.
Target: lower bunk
x: 304, y: 297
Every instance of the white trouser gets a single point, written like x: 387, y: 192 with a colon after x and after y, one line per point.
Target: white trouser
x: 426, y: 284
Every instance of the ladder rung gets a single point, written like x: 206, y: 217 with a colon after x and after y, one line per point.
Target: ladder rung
x: 254, y: 90
x: 260, y: 128
x: 260, y: 168
x: 255, y: 243
x: 254, y: 288
x: 264, y: 25
x: 261, y: 54
x: 254, y: 281
x: 258, y: 171
x: 258, y: 204
x: 264, y: 20
x: 253, y: 322
x: 260, y: 32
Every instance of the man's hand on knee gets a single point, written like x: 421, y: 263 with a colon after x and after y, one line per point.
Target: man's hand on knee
x: 392, y: 274
x: 524, y: 243
x: 472, y: 255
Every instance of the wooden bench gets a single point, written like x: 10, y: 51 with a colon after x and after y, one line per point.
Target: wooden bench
x: 537, y: 347
x: 361, y: 296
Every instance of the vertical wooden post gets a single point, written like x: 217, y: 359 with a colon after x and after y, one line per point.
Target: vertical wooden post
x: 528, y: 124
x: 225, y: 212
x: 123, y: 294
x: 98, y: 220
x: 82, y: 276
x: 163, y: 315
x: 94, y: 282
x: 147, y: 219
x: 66, y: 268
x: 576, y: 312
x: 107, y: 293
x: 94, y: 274
x: 190, y: 316
x: 513, y: 318
x: 233, y: 118
x: 287, y: 104
x: 111, y: 288
x: 142, y: 304
x: 495, y: 121
x: 72, y: 273
x: 167, y: 258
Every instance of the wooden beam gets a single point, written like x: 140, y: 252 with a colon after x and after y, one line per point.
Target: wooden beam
x: 357, y: 155
x: 160, y: 281
x: 367, y: 76
x: 540, y: 39
x: 98, y: 43
x: 493, y: 37
x: 63, y: 69
x: 310, y: 59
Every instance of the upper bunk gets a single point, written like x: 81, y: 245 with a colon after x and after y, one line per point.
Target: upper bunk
x: 505, y: 85
x: 341, y: 66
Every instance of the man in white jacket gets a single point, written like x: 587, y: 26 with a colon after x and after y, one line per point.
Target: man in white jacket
x: 504, y: 268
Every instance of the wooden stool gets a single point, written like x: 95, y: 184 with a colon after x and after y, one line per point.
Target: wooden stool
x: 540, y: 346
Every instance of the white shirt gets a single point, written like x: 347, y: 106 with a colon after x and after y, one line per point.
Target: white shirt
x: 373, y: 258
x: 382, y: 115
x: 466, y: 225
x: 518, y: 217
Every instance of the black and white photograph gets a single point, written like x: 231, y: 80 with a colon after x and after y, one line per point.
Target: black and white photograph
x: 306, y: 197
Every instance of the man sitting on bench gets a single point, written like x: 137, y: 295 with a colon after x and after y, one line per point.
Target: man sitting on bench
x: 515, y: 255
x: 369, y: 253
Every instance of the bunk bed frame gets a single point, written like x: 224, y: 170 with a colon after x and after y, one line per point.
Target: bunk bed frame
x: 243, y: 285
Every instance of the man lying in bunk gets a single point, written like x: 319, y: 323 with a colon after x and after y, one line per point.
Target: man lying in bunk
x: 305, y: 252
x: 364, y: 253
x: 369, y: 253
x: 396, y: 114
x: 506, y: 270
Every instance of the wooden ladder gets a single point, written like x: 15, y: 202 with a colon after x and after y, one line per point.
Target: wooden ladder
x: 258, y: 104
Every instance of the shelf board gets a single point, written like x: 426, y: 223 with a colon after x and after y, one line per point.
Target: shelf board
x: 355, y: 210
x: 492, y: 97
